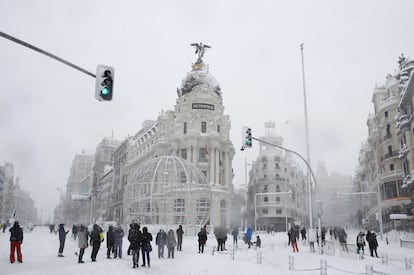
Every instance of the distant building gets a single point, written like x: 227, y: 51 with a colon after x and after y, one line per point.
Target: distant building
x: 273, y: 172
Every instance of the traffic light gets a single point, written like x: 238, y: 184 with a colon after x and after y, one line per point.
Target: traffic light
x: 104, y: 83
x: 248, y: 139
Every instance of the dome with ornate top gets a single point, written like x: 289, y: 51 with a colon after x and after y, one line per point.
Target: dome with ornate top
x: 167, y: 190
x: 199, y: 76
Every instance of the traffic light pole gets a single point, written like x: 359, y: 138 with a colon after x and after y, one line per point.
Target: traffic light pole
x: 34, y: 48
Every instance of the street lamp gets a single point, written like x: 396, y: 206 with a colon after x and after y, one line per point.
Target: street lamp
x: 378, y: 204
x: 268, y: 193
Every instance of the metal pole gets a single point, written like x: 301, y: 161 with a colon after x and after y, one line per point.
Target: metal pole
x: 307, y: 136
x: 255, y: 213
x: 379, y: 210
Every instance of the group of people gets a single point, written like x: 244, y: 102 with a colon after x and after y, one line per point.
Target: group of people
x: 371, y: 238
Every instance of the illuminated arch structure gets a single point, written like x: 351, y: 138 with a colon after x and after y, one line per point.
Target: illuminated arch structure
x: 167, y: 190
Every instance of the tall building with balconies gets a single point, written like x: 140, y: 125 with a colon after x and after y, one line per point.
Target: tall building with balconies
x: 384, y: 162
x: 405, y: 126
x: 277, y: 188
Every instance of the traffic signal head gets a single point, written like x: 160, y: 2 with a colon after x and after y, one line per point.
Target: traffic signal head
x: 104, y: 83
x: 248, y: 139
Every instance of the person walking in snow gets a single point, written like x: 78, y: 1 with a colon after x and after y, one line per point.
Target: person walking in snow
x: 235, y: 234
x: 180, y: 234
x: 110, y: 242
x: 342, y: 239
x: 249, y: 233
x: 146, y: 247
x: 171, y: 243
x: 202, y: 239
x: 303, y: 233
x: 135, y: 238
x: 372, y: 243
x: 360, y: 242
x: 82, y: 242
x: 16, y: 240
x: 292, y: 240
x: 161, y: 240
x: 62, y: 238
x: 95, y: 241
x: 118, y: 236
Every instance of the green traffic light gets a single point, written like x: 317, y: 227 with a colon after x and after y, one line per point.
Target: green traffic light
x: 105, y: 91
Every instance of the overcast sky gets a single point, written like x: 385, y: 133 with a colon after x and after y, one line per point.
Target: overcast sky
x: 48, y: 112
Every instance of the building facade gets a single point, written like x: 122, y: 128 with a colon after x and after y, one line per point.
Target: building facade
x: 197, y: 131
x: 277, y: 190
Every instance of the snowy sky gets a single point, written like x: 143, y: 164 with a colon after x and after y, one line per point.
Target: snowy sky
x: 48, y: 112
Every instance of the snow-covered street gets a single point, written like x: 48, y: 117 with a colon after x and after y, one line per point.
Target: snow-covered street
x: 39, y: 251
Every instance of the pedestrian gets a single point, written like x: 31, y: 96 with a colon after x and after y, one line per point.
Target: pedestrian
x: 341, y: 234
x: 372, y: 243
x: 16, y: 240
x: 258, y: 242
x: 292, y: 240
x: 161, y: 240
x: 110, y: 242
x: 202, y: 239
x: 171, y: 243
x: 74, y: 231
x: 180, y: 234
x: 135, y: 239
x: 95, y: 241
x: 82, y: 242
x: 303, y: 233
x: 118, y: 236
x: 249, y: 233
x: 146, y: 247
x: 129, y: 247
x: 360, y: 242
x: 62, y: 238
x: 235, y: 234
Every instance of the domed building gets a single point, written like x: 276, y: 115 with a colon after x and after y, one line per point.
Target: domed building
x: 167, y: 190
x: 196, y: 131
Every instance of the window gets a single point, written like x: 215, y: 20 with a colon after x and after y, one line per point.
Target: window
x: 179, y: 206
x: 204, y: 172
x: 265, y: 199
x: 185, y: 127
x: 202, y: 209
x: 183, y: 177
x: 392, y: 167
x: 277, y: 188
x: 265, y: 211
x: 183, y: 153
x: 218, y: 128
x: 265, y: 188
x: 278, y: 211
x: 277, y: 166
x: 202, y: 156
x: 386, y: 114
x: 390, y: 150
x: 204, y: 127
x: 277, y: 199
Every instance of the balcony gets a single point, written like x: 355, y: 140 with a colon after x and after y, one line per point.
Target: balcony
x: 403, y: 151
x: 390, y: 154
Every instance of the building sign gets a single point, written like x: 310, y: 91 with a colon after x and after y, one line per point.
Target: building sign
x: 203, y: 106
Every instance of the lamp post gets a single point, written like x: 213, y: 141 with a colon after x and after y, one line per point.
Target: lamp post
x: 267, y: 193
x: 367, y: 193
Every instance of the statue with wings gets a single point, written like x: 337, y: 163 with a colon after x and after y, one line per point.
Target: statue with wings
x: 200, y: 49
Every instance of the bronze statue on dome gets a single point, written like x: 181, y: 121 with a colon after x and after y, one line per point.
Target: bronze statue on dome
x: 200, y: 49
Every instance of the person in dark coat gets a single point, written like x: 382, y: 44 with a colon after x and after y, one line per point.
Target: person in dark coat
x: 161, y: 241
x: 180, y: 234
x: 110, y: 242
x: 202, y: 239
x: 62, y: 238
x: 118, y: 236
x: 372, y: 243
x: 258, y: 242
x: 303, y: 233
x: 292, y: 240
x: 235, y: 234
x: 171, y: 243
x: 16, y: 240
x: 342, y: 238
x: 82, y: 242
x: 75, y: 231
x: 146, y: 246
x: 360, y: 242
x: 95, y: 241
x: 135, y: 239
